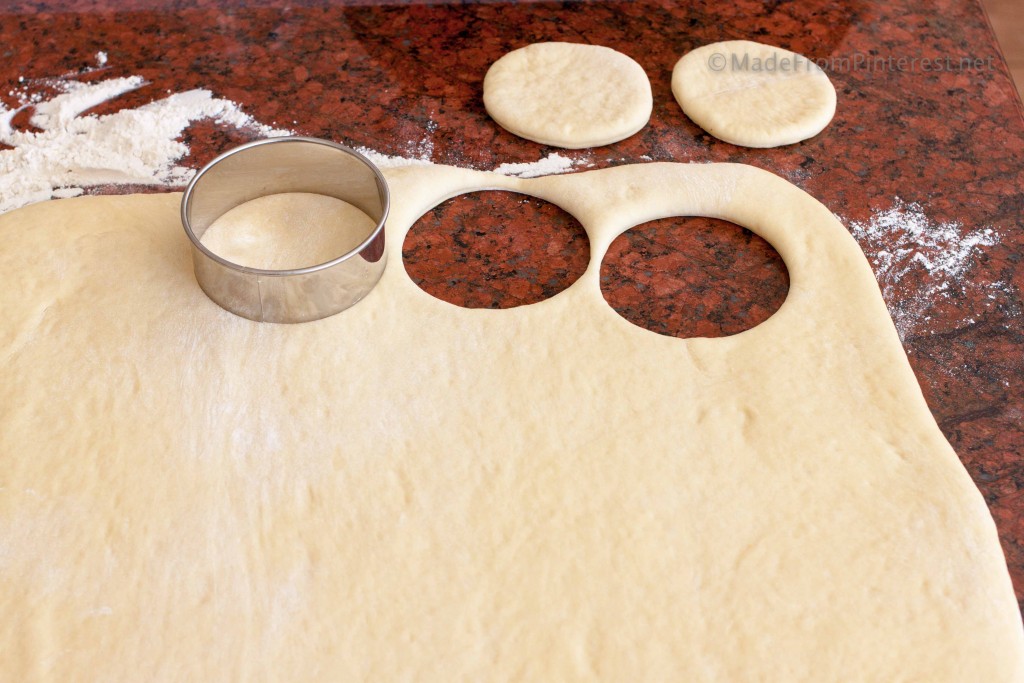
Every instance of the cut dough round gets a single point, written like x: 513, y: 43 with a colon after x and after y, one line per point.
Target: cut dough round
x: 568, y: 95
x: 752, y: 94
x: 309, y: 229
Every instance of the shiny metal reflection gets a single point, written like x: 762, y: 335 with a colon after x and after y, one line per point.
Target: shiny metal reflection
x: 273, y: 166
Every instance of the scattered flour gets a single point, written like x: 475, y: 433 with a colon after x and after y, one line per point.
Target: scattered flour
x: 71, y: 151
x: 919, y: 262
x: 549, y: 165
x: 384, y: 161
x: 421, y: 153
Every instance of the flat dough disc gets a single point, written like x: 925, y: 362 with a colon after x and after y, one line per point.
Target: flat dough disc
x: 568, y: 95
x: 412, y: 491
x: 312, y: 229
x: 753, y: 94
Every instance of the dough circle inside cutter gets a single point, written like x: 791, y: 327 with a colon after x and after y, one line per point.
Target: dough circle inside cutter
x: 288, y: 230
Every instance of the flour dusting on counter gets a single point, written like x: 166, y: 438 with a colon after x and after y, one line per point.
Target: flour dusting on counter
x: 382, y: 160
x: 552, y: 164
x: 919, y: 262
x: 65, y: 152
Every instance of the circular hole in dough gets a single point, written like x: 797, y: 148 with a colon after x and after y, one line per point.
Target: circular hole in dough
x: 288, y: 230
x: 693, y: 277
x: 568, y: 95
x: 495, y: 249
x: 753, y: 94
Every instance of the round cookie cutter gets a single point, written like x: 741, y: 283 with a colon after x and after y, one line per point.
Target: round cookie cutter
x: 273, y: 166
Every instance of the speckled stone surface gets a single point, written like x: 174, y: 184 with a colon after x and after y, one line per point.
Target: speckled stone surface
x: 405, y: 79
x: 495, y: 249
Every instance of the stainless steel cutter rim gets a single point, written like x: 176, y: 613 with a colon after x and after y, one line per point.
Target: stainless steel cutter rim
x: 382, y: 187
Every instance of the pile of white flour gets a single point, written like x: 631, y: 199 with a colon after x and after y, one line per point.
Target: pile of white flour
x: 70, y: 152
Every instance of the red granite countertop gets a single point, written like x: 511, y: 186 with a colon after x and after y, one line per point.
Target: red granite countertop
x: 406, y: 79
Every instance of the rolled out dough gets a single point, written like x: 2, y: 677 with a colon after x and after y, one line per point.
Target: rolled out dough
x: 568, y: 95
x: 753, y: 94
x: 411, y: 491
